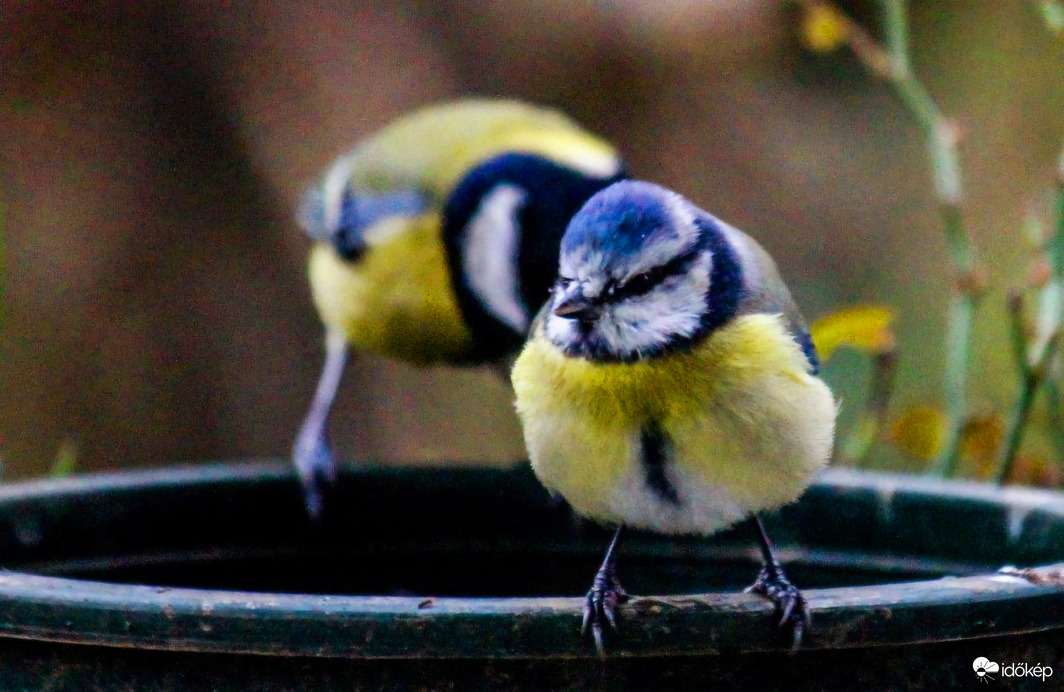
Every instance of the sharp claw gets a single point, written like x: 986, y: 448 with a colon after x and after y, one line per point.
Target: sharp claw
x: 317, y: 471
x: 600, y: 608
x: 596, y: 630
x: 312, y: 500
x: 798, y: 629
x: 773, y: 584
x: 788, y: 608
x: 611, y: 618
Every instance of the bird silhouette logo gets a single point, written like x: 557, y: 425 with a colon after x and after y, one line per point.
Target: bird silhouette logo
x: 984, y: 667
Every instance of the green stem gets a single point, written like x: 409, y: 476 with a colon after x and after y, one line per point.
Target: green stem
x: 1053, y: 14
x: 854, y: 449
x: 946, y: 174
x: 1055, y: 254
x: 1014, y: 431
x: 1033, y: 376
x: 1035, y: 360
x: 896, y: 30
x: 894, y: 65
x: 958, y: 351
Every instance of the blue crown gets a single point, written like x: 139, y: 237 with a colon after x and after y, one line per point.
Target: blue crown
x: 623, y: 218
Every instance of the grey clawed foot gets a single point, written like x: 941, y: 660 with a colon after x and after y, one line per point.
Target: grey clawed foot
x: 600, y: 608
x: 312, y: 454
x: 774, y: 585
x: 317, y: 473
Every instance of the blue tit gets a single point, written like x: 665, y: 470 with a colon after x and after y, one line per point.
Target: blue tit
x: 436, y: 239
x: 670, y: 384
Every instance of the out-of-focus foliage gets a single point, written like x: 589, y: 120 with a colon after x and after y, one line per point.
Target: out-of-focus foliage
x: 918, y: 431
x: 154, y: 154
x: 66, y: 459
x: 866, y: 328
x: 823, y: 28
x: 985, y: 443
x: 1053, y: 11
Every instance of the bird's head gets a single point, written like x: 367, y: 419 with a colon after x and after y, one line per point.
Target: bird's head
x: 634, y: 275
x: 347, y: 215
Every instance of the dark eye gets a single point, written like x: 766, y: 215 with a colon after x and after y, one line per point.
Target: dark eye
x: 563, y: 283
x: 639, y: 284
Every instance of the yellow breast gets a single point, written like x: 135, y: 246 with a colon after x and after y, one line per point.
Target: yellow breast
x: 397, y: 300
x: 748, y: 426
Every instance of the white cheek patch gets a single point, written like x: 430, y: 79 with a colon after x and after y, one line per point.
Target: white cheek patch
x: 489, y: 257
x: 674, y: 309
x: 560, y: 330
x: 332, y: 193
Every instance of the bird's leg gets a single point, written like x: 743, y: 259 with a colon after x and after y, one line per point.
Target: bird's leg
x: 311, y: 454
x: 602, y: 599
x: 773, y: 584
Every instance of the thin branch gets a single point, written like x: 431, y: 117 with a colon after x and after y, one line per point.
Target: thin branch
x: 941, y: 137
x: 893, y: 64
x: 854, y: 450
x: 1039, y: 361
x: 1052, y: 316
x: 897, y: 35
x: 1052, y: 14
x: 1033, y: 376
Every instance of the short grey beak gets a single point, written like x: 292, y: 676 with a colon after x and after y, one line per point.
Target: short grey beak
x: 574, y: 305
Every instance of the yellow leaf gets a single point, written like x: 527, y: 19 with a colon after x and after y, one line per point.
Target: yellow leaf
x: 66, y: 459
x: 864, y: 327
x: 823, y: 28
x: 919, y: 431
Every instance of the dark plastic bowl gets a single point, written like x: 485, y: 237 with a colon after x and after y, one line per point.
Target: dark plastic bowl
x: 212, y: 576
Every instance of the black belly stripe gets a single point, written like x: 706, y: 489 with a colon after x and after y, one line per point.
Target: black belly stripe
x: 654, y: 443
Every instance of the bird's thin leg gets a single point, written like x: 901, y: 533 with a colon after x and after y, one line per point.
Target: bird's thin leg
x: 602, y: 599
x: 311, y: 453
x: 773, y: 584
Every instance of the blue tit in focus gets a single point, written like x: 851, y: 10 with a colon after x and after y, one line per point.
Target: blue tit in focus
x: 436, y: 240
x: 670, y: 383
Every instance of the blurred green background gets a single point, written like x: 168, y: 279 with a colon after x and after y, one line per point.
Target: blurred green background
x: 152, y: 157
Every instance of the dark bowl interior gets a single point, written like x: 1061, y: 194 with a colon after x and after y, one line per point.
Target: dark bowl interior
x: 459, y: 532
x: 459, y: 564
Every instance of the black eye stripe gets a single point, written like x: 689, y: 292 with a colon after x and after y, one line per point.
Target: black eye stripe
x: 648, y: 280
x: 359, y: 211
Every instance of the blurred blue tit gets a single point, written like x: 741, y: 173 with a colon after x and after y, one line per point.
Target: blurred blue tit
x: 670, y: 384
x: 437, y: 239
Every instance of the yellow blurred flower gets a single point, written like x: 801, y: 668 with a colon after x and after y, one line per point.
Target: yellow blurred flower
x: 823, y: 28
x: 864, y: 327
x: 980, y: 438
x: 919, y: 431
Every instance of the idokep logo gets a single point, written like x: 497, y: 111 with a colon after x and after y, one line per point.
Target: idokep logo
x: 984, y: 667
x: 987, y: 670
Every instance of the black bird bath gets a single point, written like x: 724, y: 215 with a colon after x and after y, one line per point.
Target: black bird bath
x: 212, y: 577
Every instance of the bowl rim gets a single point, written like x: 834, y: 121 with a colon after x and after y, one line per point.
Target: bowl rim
x: 98, y: 613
